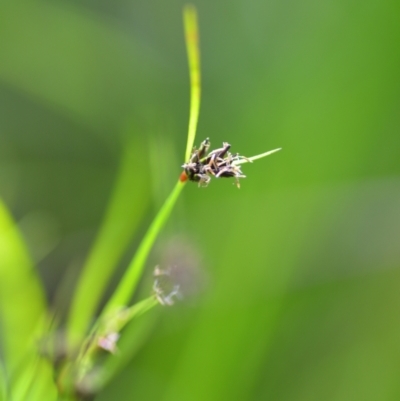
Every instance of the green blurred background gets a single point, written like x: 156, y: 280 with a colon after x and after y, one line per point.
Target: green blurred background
x: 302, y: 264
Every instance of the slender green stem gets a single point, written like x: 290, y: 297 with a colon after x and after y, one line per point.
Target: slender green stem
x: 116, y: 322
x: 129, y: 281
x: 193, y: 52
x: 115, y: 316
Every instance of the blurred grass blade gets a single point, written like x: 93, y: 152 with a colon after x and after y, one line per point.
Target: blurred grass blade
x: 127, y: 206
x: 130, y: 279
x: 22, y: 298
x: 43, y: 387
x: 35, y: 381
x: 192, y: 46
x: 22, y: 317
x: 3, y: 382
x: 251, y: 159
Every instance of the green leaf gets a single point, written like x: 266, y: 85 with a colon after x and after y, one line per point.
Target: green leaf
x: 22, y: 312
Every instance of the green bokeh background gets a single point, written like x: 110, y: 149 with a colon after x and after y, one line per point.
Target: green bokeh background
x: 302, y: 299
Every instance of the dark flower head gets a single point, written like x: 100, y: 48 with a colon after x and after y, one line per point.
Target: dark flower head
x: 217, y: 163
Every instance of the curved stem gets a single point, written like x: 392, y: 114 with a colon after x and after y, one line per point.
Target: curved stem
x: 130, y: 279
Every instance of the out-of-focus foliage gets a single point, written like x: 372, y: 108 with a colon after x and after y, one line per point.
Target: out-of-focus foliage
x: 24, y: 376
x: 302, y: 263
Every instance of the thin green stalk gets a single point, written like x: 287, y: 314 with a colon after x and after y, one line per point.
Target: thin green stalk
x: 129, y: 281
x: 134, y: 336
x: 193, y: 52
x: 105, y: 327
